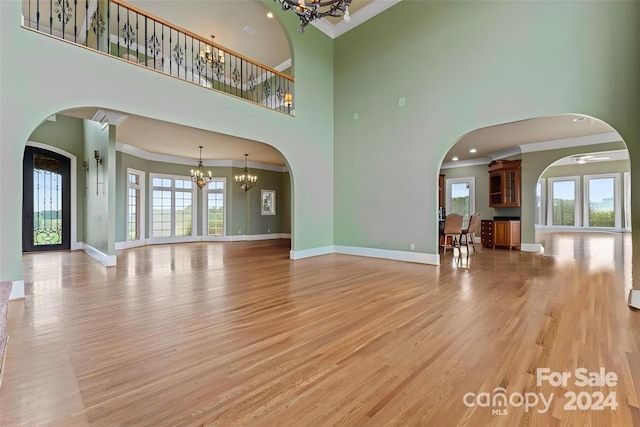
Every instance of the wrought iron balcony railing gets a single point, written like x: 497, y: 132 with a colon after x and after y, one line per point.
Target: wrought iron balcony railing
x: 129, y: 33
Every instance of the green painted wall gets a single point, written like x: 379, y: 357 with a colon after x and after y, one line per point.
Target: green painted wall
x: 463, y: 66
x: 100, y: 199
x: 67, y: 133
x: 31, y: 92
x: 236, y: 199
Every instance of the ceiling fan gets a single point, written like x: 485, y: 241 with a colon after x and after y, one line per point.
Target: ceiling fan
x: 582, y: 159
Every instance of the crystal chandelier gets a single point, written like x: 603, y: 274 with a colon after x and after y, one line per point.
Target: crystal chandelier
x: 316, y: 9
x: 246, y: 181
x: 197, y: 175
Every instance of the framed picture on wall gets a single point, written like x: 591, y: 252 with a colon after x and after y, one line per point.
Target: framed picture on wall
x: 268, y: 199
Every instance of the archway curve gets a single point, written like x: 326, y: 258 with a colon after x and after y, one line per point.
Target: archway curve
x: 538, y: 147
x: 188, y: 159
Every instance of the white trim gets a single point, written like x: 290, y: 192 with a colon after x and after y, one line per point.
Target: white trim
x: 281, y: 67
x: 307, y: 253
x: 582, y: 229
x: 578, y: 141
x: 17, y: 290
x: 101, y: 257
x: 142, y: 205
x: 326, y: 27
x: 74, y: 244
x: 507, y: 152
x: 576, y: 196
x: 634, y: 298
x: 543, y: 201
x: 616, y: 197
x: 627, y: 199
x: 145, y: 155
x: 532, y: 247
x: 166, y: 240
x: 463, y: 163
x: 369, y: 11
x: 418, y: 257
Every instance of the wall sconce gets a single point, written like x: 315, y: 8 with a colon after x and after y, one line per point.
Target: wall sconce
x: 85, y: 170
x: 98, y: 158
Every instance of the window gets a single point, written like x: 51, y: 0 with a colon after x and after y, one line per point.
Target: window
x: 564, y: 207
x: 135, y: 205
x: 215, y: 216
x: 602, y: 204
x: 172, y: 214
x: 461, y: 197
x: 540, y: 203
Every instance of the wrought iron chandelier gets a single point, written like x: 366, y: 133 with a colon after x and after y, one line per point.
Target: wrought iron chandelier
x: 217, y: 62
x: 246, y: 181
x: 198, y: 176
x: 316, y: 9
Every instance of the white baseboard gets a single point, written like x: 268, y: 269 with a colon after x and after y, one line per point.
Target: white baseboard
x: 418, y: 257
x: 168, y: 240
x: 102, y: 258
x: 582, y: 229
x: 77, y: 246
x: 634, y: 298
x: 307, y: 253
x: 532, y: 247
x: 17, y: 290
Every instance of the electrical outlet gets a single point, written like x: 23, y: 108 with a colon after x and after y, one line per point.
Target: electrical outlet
x: 412, y: 246
x: 239, y: 231
x: 268, y: 230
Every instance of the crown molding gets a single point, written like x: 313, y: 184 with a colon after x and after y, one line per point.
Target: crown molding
x: 281, y: 67
x: 507, y: 152
x: 155, y: 157
x: 579, y: 141
x: 369, y: 11
x: 464, y: 163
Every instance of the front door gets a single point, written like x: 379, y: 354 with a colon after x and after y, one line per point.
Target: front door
x: 46, y: 201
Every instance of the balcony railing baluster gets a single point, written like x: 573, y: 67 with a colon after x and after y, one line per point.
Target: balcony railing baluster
x: 205, y: 63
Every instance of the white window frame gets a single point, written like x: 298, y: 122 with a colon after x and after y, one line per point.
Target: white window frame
x: 173, y: 189
x: 472, y: 192
x: 577, y: 217
x: 205, y: 208
x: 616, y: 198
x: 142, y: 231
x: 627, y: 200
x: 543, y: 200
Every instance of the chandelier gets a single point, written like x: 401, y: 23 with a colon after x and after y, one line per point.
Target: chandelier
x: 246, y: 181
x: 316, y: 9
x: 210, y: 57
x: 197, y: 175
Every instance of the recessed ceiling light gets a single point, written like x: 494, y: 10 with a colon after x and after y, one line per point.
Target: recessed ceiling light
x: 269, y: 14
x: 579, y: 119
x: 473, y: 150
x: 455, y: 159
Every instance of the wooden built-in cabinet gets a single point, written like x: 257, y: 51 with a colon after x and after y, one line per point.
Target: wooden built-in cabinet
x: 500, y: 233
x: 504, y: 183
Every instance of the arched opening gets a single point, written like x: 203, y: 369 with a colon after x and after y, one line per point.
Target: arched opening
x: 532, y: 147
x: 135, y: 184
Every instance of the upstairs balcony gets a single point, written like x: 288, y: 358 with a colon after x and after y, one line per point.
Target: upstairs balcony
x: 129, y: 33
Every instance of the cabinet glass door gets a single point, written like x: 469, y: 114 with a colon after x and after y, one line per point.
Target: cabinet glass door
x: 510, y: 187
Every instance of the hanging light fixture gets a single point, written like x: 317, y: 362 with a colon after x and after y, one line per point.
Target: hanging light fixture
x: 246, y: 181
x: 316, y: 9
x: 210, y: 57
x: 197, y: 175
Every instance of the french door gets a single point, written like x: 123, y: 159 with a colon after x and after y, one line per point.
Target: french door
x: 46, y: 201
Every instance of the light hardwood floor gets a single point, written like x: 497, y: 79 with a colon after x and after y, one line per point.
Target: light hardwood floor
x: 237, y: 334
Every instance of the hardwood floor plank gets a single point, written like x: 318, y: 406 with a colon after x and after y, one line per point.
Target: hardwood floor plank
x: 236, y: 333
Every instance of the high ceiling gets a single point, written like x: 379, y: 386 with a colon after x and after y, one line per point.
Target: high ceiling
x: 159, y: 137
x: 494, y: 139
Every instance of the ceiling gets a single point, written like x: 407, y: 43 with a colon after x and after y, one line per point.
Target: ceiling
x: 498, y: 138
x: 159, y: 137
x: 601, y: 156
x: 355, y: 6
